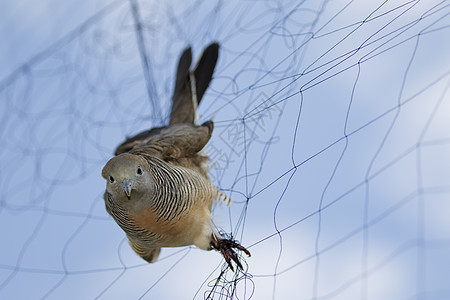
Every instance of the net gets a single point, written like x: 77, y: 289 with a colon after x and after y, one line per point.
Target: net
x: 331, y: 138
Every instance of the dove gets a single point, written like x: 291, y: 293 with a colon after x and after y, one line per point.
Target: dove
x: 157, y: 185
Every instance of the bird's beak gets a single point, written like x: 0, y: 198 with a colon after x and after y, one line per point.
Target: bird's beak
x: 127, y: 186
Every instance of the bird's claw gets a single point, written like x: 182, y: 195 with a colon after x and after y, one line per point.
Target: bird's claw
x: 226, y: 247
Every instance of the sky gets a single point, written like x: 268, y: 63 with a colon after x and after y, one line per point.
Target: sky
x: 331, y: 138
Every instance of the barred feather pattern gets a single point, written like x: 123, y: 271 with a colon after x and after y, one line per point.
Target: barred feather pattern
x: 122, y: 218
x: 178, y: 190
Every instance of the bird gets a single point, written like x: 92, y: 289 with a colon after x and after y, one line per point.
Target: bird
x: 157, y: 185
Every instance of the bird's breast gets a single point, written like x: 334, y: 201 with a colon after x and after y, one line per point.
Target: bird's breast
x: 182, y: 230
x: 149, y: 220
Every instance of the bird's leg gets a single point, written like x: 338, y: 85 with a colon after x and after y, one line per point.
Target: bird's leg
x: 225, y: 246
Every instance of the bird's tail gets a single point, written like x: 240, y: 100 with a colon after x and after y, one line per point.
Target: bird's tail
x: 190, y: 86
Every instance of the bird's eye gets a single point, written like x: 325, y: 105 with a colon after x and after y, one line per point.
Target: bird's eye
x: 111, y: 179
x: 139, y: 171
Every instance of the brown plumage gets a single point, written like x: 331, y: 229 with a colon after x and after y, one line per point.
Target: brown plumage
x: 158, y: 190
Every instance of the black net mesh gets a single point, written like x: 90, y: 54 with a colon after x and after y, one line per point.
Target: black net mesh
x: 331, y: 137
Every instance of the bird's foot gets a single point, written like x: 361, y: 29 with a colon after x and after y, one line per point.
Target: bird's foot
x: 226, y: 247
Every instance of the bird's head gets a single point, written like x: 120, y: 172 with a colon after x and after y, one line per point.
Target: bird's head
x: 127, y: 174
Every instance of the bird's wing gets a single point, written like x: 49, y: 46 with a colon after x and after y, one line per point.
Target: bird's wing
x: 150, y: 254
x: 136, y: 140
x: 176, y: 141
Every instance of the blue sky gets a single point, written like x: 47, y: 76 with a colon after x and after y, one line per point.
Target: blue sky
x: 331, y: 137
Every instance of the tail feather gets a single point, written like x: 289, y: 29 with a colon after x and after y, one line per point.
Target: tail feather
x: 190, y: 86
x: 205, y: 68
x: 182, y: 110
